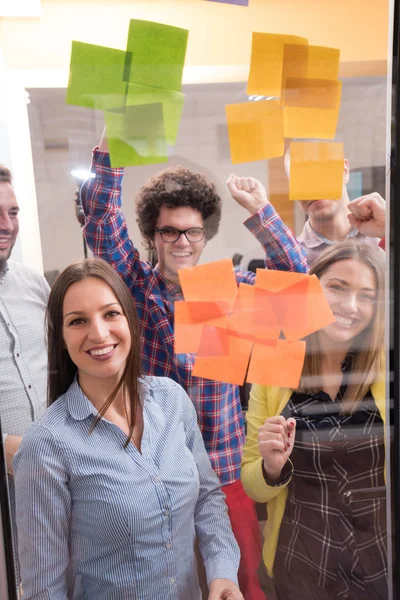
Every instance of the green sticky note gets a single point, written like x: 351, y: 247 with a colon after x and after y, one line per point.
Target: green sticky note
x: 158, y: 54
x: 96, y: 77
x: 172, y: 105
x: 136, y: 135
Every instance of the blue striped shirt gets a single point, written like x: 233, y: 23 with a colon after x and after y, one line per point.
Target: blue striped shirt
x: 98, y: 521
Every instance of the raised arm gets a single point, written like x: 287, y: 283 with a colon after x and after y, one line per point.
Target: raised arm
x: 105, y: 229
x: 282, y: 250
x: 43, y: 505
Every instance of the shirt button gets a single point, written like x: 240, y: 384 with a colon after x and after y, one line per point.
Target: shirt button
x: 156, y: 478
x: 168, y: 545
x: 17, y: 355
x: 166, y: 513
x: 172, y: 580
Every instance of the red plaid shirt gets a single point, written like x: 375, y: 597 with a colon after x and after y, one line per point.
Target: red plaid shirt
x: 217, y: 404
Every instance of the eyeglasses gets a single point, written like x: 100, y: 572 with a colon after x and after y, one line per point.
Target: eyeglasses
x: 171, y: 235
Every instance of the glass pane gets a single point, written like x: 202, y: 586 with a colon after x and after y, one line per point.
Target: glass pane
x: 252, y: 358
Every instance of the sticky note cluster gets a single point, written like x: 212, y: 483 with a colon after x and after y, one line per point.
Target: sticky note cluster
x: 303, y: 94
x: 237, y: 335
x: 138, y: 89
x: 316, y: 170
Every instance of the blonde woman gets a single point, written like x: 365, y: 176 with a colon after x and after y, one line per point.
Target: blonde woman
x: 307, y: 448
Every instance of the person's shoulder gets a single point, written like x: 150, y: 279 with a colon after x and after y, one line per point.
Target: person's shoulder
x: 163, y: 390
x: 153, y: 383
x: 22, y: 271
x: 25, y: 280
x: 49, y: 428
x: 54, y: 417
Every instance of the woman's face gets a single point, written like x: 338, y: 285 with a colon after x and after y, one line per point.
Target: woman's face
x: 95, y: 329
x: 350, y: 287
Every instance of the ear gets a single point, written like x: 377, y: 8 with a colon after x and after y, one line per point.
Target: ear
x: 346, y: 172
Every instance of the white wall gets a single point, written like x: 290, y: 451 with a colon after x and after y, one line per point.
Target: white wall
x: 16, y: 154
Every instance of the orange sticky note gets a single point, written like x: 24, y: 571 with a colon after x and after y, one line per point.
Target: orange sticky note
x: 279, y: 363
x: 316, y: 170
x: 312, y: 93
x: 265, y: 77
x: 255, y: 130
x: 230, y: 367
x: 275, y: 281
x: 253, y: 315
x: 189, y: 318
x: 305, y: 309
x: 216, y: 281
x: 213, y: 342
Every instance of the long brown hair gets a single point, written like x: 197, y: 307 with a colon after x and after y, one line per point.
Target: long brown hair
x: 62, y: 370
x: 366, y: 348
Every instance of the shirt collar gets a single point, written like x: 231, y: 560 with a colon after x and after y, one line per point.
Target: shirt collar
x: 310, y: 238
x: 80, y: 407
x: 3, y: 271
x: 166, y: 286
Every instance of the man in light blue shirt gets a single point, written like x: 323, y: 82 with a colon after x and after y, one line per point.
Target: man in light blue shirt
x: 23, y: 299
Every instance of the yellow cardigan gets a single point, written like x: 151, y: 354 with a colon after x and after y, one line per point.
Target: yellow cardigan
x: 266, y: 401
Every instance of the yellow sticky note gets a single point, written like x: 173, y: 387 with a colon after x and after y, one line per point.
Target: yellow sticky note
x: 305, y: 122
x: 295, y: 62
x: 312, y: 93
x: 255, y: 130
x: 316, y: 170
x: 323, y: 63
x: 311, y: 108
x: 265, y: 77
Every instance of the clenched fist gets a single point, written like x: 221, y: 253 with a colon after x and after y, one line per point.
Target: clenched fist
x: 275, y: 442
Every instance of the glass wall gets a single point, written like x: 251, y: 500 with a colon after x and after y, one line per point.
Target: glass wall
x: 231, y: 161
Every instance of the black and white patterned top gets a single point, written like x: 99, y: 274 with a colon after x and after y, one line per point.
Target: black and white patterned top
x: 339, y: 551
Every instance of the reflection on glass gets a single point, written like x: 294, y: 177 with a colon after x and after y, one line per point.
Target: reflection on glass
x: 303, y: 121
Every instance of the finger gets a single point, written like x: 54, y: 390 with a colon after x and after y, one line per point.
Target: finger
x: 278, y: 420
x: 291, y: 424
x: 245, y: 184
x: 362, y: 209
x: 273, y: 428
x: 265, y: 437
x: 270, y: 445
x: 253, y: 183
x: 230, y: 183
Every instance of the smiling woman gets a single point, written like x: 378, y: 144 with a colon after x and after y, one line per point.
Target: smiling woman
x: 117, y: 465
x: 306, y: 449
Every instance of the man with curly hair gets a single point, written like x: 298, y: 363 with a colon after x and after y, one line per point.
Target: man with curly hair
x: 178, y: 212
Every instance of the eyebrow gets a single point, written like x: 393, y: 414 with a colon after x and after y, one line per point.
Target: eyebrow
x: 344, y: 282
x: 81, y: 312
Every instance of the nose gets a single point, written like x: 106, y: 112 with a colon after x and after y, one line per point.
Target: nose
x: 350, y: 303
x: 98, y: 331
x: 182, y: 241
x: 6, y: 223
